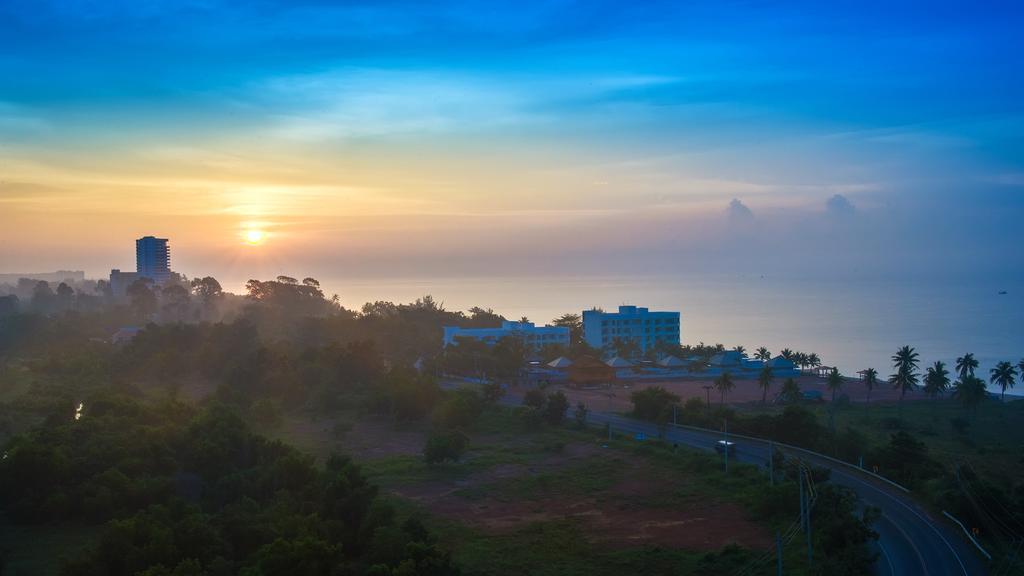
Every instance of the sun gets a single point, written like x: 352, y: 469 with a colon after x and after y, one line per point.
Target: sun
x: 254, y: 237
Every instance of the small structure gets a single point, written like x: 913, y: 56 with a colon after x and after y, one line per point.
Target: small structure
x: 535, y: 336
x: 672, y: 362
x: 560, y: 363
x: 823, y: 371
x: 588, y: 370
x: 124, y: 335
x: 727, y: 359
x: 619, y: 362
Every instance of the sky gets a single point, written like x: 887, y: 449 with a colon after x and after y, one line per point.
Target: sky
x: 457, y: 138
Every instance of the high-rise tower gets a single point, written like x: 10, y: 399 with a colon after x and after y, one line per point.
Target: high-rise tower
x: 153, y: 259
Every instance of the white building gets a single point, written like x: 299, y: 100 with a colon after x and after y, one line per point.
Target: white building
x: 641, y: 325
x: 537, y: 336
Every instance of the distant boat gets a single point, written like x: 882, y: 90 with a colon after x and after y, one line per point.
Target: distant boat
x: 1002, y: 292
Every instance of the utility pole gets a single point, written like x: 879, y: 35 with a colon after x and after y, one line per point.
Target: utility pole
x: 771, y: 463
x: 673, y: 414
x: 707, y: 395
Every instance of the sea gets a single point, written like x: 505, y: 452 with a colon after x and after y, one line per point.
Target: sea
x: 852, y: 323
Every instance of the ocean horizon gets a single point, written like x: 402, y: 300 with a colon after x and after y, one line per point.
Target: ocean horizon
x: 853, y: 323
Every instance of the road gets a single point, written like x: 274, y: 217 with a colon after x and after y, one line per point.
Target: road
x: 910, y: 542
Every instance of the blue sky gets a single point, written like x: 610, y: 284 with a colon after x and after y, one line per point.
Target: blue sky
x: 321, y: 119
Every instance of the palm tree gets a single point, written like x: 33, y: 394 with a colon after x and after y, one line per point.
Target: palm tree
x: 813, y: 360
x: 965, y: 365
x: 870, y: 381
x: 970, y: 391
x: 762, y: 353
x: 800, y: 359
x: 765, y: 381
x: 1020, y: 370
x: 724, y: 384
x: 787, y: 354
x: 790, y: 391
x: 1003, y: 375
x: 906, y: 376
x: 742, y: 350
x: 936, y: 379
x: 834, y: 382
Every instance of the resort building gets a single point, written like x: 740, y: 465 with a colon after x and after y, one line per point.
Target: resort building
x: 536, y: 336
x: 153, y: 259
x: 646, y: 328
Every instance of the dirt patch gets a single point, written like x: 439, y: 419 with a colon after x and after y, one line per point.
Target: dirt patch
x: 631, y: 512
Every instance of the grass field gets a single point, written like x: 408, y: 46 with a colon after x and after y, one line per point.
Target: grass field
x: 990, y: 443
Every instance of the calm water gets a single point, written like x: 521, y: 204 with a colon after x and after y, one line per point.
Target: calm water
x: 853, y: 323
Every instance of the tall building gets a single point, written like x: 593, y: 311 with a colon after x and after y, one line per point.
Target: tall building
x: 646, y: 328
x: 120, y: 281
x: 153, y: 259
x: 537, y: 336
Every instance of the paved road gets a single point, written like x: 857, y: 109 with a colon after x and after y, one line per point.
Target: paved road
x: 910, y: 541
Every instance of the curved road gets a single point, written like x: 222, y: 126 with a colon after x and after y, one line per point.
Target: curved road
x: 909, y: 540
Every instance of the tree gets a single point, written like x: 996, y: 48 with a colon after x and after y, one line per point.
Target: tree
x: 813, y: 360
x: 42, y: 297
x: 870, y: 382
x: 651, y: 402
x: 1020, y: 370
x: 970, y: 391
x: 208, y: 290
x: 65, y: 296
x: 790, y: 391
x: 580, y: 414
x: 742, y: 350
x: 834, y: 382
x: 724, y: 384
x: 762, y: 353
x: 625, y: 348
x: 143, y: 300
x: 574, y: 322
x: 445, y: 445
x: 1003, y: 375
x: 764, y: 380
x: 176, y: 302
x: 936, y: 380
x: 493, y: 392
x: 557, y: 404
x: 534, y: 398
x: 787, y: 354
x: 965, y: 365
x: 906, y: 376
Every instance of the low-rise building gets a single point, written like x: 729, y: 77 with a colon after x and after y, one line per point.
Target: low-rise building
x: 536, y: 336
x: 646, y: 328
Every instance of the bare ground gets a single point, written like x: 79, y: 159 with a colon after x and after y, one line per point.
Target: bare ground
x: 626, y: 514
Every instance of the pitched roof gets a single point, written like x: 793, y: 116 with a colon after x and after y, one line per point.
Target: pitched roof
x: 560, y: 362
x: 671, y: 362
x: 727, y: 358
x: 780, y: 362
x: 618, y: 362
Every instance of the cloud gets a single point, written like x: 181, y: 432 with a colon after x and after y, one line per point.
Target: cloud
x: 738, y: 212
x: 839, y: 206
